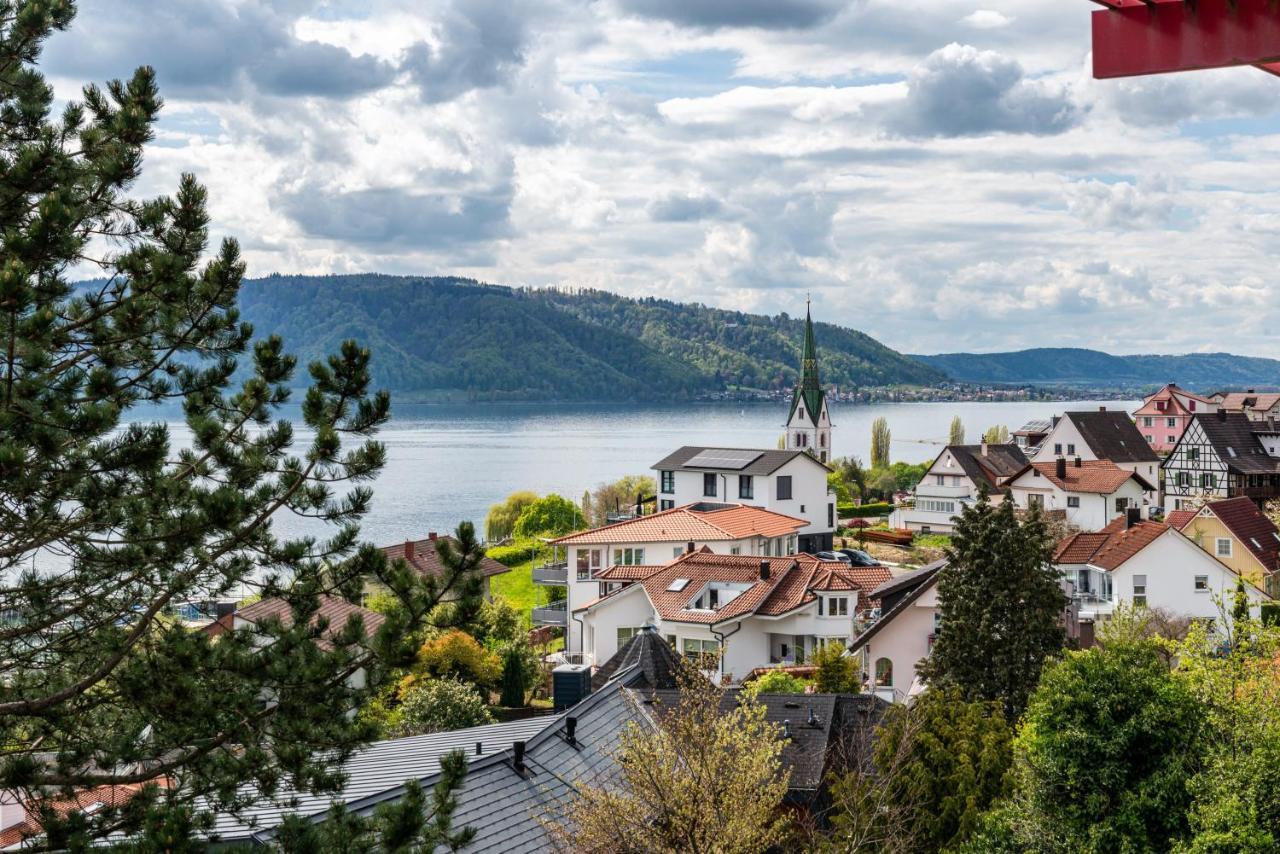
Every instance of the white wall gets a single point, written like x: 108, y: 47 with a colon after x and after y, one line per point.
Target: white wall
x: 1171, y: 564
x: 1095, y: 511
x: 1066, y: 435
x: 904, y: 641
x: 629, y: 609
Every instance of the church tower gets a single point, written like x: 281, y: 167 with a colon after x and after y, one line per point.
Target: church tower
x: 809, y: 424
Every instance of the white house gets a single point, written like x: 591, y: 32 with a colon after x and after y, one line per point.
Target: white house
x: 954, y: 480
x: 740, y: 611
x: 636, y: 545
x: 1090, y: 493
x: 892, y: 648
x: 790, y: 482
x: 1148, y: 564
x: 1105, y: 434
x: 1223, y: 455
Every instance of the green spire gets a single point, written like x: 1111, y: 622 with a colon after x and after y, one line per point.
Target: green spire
x: 810, y: 389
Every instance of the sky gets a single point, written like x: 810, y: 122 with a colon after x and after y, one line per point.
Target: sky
x: 944, y: 175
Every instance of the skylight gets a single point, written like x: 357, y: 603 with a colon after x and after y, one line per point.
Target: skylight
x: 677, y: 585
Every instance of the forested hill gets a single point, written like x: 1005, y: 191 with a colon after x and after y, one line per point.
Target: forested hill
x: 449, y: 335
x: 1067, y: 366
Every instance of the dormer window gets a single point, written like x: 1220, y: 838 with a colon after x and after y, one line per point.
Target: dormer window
x: 716, y: 594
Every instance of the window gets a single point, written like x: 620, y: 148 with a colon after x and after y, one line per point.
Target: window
x: 1146, y: 421
x: 1193, y: 453
x: 784, y: 487
x: 838, y: 606
x: 1057, y: 449
x: 1122, y: 504
x: 677, y: 551
x: 1160, y: 404
x: 1191, y: 406
x: 1208, y: 480
x: 1184, y: 478
x: 1222, y: 547
x: 584, y: 564
x: 626, y: 633
x: 942, y: 479
x: 703, y: 652
x: 1071, y: 450
x: 746, y: 486
x: 668, y: 481
x: 1035, y: 499
x: 831, y: 515
x: 709, y: 484
x: 628, y: 557
x: 667, y: 504
x: 1171, y: 422
x: 735, y: 550
x: 884, y: 673
x: 1140, y: 591
x: 1073, y: 500
x: 1170, y: 439
x: 822, y: 440
x: 930, y: 505
x: 671, y: 640
x: 1202, y: 584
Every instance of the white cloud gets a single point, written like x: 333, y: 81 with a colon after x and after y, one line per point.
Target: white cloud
x: 986, y: 19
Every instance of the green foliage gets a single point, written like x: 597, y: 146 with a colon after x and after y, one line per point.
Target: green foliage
x: 856, y: 511
x: 497, y: 623
x: 1108, y: 745
x: 437, y: 705
x: 841, y: 489
x: 515, y: 676
x: 501, y: 519
x: 549, y: 516
x: 997, y: 435
x: 620, y: 495
x: 1001, y: 604
x: 1271, y: 613
x: 949, y: 760
x: 880, y: 441
x: 517, y: 552
x: 457, y: 655
x: 775, y: 682
x: 955, y: 435
x: 836, y: 672
x: 99, y: 687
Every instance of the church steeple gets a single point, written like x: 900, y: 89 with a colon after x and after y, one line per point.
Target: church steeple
x: 809, y: 424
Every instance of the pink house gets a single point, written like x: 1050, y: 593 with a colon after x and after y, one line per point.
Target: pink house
x: 1164, y: 415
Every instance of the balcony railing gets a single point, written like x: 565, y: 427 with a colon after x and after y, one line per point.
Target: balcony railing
x: 553, y: 614
x: 551, y: 573
x: 935, y: 490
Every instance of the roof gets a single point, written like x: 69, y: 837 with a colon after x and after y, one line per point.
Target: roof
x: 923, y: 579
x: 907, y: 579
x: 1099, y: 476
x: 1112, y: 435
x: 654, y: 659
x: 809, y: 389
x: 1112, y: 546
x: 1179, y: 518
x: 1235, y: 441
x: 1035, y: 427
x: 423, y: 556
x: 691, y: 522
x: 1239, y: 400
x: 993, y: 468
x: 337, y: 611
x: 766, y: 461
x: 79, y: 802
x: 1251, y: 527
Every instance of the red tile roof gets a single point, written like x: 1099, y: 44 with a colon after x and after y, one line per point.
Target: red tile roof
x: 1101, y: 476
x: 1237, y: 400
x: 423, y: 556
x: 1179, y: 518
x: 732, y: 522
x: 1110, y: 547
x: 1251, y: 527
x: 107, y: 796
x: 338, y: 612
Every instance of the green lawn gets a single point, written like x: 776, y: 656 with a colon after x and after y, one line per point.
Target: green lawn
x: 517, y: 588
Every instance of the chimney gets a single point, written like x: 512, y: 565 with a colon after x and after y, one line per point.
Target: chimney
x: 571, y: 729
x: 688, y: 547
x: 1079, y: 464
x: 1061, y: 468
x: 432, y: 536
x: 479, y: 748
x: 764, y: 570
x: 1222, y: 415
x: 1132, y: 516
x: 1102, y: 409
x: 1250, y: 391
x: 517, y: 756
x: 408, y: 549
x: 984, y: 447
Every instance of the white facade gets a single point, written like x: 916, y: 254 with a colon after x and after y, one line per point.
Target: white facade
x: 891, y: 658
x: 1088, y: 511
x: 1065, y: 440
x: 804, y: 435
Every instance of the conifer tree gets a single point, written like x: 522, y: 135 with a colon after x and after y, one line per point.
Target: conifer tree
x: 106, y: 522
x: 1001, y: 606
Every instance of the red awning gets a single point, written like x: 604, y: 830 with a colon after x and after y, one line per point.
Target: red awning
x: 1134, y: 37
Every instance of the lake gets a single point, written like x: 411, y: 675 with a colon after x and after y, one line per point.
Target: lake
x: 447, y: 463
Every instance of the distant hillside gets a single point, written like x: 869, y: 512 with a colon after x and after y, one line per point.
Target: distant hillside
x: 451, y: 335
x: 1069, y: 366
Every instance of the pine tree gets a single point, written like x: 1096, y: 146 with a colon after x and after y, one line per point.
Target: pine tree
x: 105, y: 524
x: 514, y: 681
x: 880, y: 443
x: 1001, y: 606
x: 956, y: 436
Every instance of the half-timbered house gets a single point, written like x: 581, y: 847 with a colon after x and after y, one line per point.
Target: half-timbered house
x: 1222, y: 455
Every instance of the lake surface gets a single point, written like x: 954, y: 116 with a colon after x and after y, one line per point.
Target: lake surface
x: 448, y: 463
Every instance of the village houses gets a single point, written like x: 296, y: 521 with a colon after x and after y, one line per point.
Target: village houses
x: 954, y: 480
x: 1088, y: 494
x: 1165, y: 414
x: 1223, y: 455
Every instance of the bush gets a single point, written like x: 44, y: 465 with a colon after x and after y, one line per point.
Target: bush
x: 502, y: 517
x: 877, y: 508
x: 458, y: 655
x: 837, y: 673
x: 498, y: 623
x: 550, y: 516
x: 437, y: 705
x: 516, y: 553
x: 1271, y: 613
x: 775, y: 682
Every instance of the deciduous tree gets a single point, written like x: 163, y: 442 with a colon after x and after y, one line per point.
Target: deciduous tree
x: 880, y: 439
x: 956, y: 434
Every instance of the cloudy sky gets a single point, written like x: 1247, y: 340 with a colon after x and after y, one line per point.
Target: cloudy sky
x: 942, y: 174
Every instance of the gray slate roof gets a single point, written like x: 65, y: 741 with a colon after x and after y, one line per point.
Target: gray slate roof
x: 650, y: 654
x: 768, y: 462
x: 1112, y: 435
x: 1235, y: 440
x: 999, y: 463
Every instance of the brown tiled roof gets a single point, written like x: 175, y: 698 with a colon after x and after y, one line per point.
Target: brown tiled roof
x: 621, y: 572
x: 691, y: 522
x: 1001, y: 462
x: 1251, y: 527
x: 1110, y: 547
x: 337, y: 611
x: 1179, y: 518
x: 108, y: 796
x: 422, y: 556
x: 1237, y: 400
x: 1100, y: 476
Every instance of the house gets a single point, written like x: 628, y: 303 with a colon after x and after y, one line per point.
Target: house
x: 21, y: 815
x: 733, y: 613
x: 1257, y: 406
x: 424, y: 557
x: 1164, y: 415
x: 808, y: 426
x: 1141, y: 563
x: 1237, y: 533
x: 653, y: 541
x: 1089, y: 492
x: 1030, y: 436
x: 1223, y: 455
x: 954, y: 481
x: 892, y: 648
x: 791, y: 482
x: 1104, y: 434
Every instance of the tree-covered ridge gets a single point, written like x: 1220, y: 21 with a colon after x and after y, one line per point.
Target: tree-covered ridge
x: 447, y: 334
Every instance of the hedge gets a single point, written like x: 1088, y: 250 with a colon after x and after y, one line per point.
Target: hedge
x: 879, y: 508
x: 516, y: 553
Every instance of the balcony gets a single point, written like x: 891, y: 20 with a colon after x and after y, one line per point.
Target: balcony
x: 934, y: 490
x: 551, y: 573
x: 552, y: 614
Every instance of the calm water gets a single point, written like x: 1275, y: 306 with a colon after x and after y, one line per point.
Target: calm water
x: 449, y: 463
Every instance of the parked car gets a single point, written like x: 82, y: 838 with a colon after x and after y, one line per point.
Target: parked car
x: 835, y: 556
x: 857, y: 557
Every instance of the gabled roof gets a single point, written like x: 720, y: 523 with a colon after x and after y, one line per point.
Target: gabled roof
x: 1179, y: 518
x: 336, y: 611
x: 1112, y: 546
x: 1094, y: 476
x: 766, y: 461
x: 1235, y: 441
x: 1112, y: 435
x: 1238, y: 400
x: 691, y: 522
x: 991, y: 465
x: 656, y: 663
x: 918, y: 583
x: 1251, y: 527
x: 423, y: 557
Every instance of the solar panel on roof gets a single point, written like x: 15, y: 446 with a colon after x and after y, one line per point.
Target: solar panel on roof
x: 721, y: 458
x: 677, y: 585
